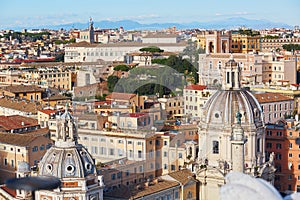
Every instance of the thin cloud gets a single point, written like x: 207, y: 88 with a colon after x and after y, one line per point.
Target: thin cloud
x: 234, y: 14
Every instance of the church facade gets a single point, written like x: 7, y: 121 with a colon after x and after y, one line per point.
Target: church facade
x: 231, y: 135
x: 72, y: 164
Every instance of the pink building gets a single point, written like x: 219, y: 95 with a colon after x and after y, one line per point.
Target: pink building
x: 275, y: 106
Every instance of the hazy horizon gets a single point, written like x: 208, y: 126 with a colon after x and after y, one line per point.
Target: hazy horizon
x: 38, y: 13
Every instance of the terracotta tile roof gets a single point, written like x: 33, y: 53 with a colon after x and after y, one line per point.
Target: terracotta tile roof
x: 23, y: 88
x: 48, y: 111
x: 15, y: 122
x: 29, y: 107
x: 57, y: 97
x: 136, y: 115
x: 195, y: 87
x: 122, y: 96
x: 160, y: 186
x: 39, y: 132
x: 271, y: 97
x: 18, y: 139
x: 125, y: 193
x: 183, y: 176
x: 11, y: 192
x: 295, y: 85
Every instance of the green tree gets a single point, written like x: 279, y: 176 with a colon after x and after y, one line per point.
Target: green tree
x: 150, y: 51
x: 123, y: 68
x: 111, y: 82
x: 290, y: 47
x: 192, y: 52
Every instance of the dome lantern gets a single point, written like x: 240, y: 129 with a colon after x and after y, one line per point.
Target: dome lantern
x: 232, y: 76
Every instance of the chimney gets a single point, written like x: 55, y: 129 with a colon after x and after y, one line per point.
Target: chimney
x: 22, y: 123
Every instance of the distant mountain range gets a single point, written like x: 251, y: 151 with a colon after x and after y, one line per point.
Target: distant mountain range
x: 229, y: 23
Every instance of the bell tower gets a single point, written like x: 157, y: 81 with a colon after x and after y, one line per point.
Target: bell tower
x: 91, y: 31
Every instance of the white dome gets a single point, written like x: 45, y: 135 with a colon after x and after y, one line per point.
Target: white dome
x: 72, y: 162
x: 221, y: 108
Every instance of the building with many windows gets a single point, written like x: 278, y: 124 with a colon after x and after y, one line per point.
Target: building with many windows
x: 16, y: 148
x: 211, y: 68
x: 86, y: 52
x: 195, y: 96
x: 282, y: 139
x: 243, y: 43
x: 275, y: 106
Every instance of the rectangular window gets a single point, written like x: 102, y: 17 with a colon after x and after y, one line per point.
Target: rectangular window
x: 278, y: 146
x: 139, y: 154
x: 120, y: 152
x: 278, y: 156
x: 119, y: 175
x: 130, y: 153
x: 113, y: 176
x: 111, y: 152
x: 35, y: 149
x: 180, y: 155
x: 269, y: 145
x: 173, y: 167
x: 269, y: 133
x: 215, y: 147
x: 141, y: 169
x: 102, y: 150
x: 157, y: 142
x: 94, y: 150
x: 279, y: 133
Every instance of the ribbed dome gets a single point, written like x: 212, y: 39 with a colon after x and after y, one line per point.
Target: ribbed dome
x: 72, y: 162
x: 221, y: 109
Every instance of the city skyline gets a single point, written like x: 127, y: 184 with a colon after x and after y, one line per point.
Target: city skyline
x: 37, y: 13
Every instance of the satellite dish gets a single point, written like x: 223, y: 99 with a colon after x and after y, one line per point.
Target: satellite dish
x: 33, y: 183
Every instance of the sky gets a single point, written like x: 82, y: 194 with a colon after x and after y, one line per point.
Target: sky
x: 53, y: 12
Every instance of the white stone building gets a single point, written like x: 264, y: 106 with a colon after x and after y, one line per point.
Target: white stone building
x: 86, y: 52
